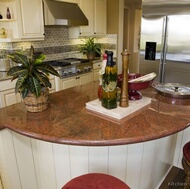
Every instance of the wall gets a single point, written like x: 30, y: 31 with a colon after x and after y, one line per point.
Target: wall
x: 57, y: 44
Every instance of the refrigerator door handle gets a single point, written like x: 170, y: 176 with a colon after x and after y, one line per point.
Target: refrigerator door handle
x: 164, y: 50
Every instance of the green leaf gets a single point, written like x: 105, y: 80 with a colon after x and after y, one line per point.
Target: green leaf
x: 20, y: 58
x: 39, y: 59
x: 17, y: 71
x: 47, y: 69
x: 35, y: 86
x: 24, y: 92
x: 19, y: 83
x: 42, y: 78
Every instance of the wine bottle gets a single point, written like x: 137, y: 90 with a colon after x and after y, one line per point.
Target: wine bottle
x: 1, y: 17
x: 101, y: 72
x: 109, y: 83
x: 8, y: 13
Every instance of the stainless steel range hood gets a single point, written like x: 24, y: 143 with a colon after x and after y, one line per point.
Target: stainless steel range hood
x: 64, y: 13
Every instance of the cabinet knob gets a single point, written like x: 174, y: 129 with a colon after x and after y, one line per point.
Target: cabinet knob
x: 80, y: 33
x: 94, y: 32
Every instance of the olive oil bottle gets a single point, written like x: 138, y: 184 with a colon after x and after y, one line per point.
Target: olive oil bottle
x: 109, y: 83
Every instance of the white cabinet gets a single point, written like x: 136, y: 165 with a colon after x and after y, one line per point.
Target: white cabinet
x: 76, y: 80
x: 26, y: 21
x: 96, y: 68
x: 96, y: 13
x: 53, y: 84
x: 7, y: 93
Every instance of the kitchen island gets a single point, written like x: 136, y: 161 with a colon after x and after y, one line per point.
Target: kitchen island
x: 66, y: 140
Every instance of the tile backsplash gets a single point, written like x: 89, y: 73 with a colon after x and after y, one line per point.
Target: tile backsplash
x: 58, y: 45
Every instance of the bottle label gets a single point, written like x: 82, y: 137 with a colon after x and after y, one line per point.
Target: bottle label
x: 111, y: 86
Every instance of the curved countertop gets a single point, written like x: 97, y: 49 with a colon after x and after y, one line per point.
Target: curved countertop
x: 67, y: 121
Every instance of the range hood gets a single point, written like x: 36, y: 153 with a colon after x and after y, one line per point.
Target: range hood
x: 65, y: 13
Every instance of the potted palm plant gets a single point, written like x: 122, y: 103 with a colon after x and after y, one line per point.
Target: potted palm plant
x: 32, y: 76
x: 89, y: 47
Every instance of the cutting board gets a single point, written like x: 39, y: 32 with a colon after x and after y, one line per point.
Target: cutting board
x: 119, y: 112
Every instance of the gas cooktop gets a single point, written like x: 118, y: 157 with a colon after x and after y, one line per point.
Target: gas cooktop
x: 67, y: 61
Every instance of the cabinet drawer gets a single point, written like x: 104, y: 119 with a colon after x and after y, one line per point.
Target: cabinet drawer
x: 97, y: 65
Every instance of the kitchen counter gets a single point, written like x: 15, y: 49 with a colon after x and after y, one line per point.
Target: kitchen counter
x: 3, y: 76
x: 66, y: 121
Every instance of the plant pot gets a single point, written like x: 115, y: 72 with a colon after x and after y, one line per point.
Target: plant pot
x: 90, y: 56
x: 37, y: 104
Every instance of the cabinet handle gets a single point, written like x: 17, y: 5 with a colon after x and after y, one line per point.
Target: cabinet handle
x: 98, y: 64
x: 94, y: 32
x: 80, y: 33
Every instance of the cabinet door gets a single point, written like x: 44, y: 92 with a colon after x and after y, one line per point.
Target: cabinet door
x: 87, y: 8
x: 32, y: 25
x: 68, y: 83
x: 96, y: 75
x: 86, y: 78
x: 9, y: 97
x: 100, y: 17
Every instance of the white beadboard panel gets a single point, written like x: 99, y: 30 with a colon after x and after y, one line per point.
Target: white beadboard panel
x: 25, y: 161
x: 165, y: 150
x: 159, y: 167
x: 62, y: 164
x: 78, y: 160
x: 3, y: 171
x: 98, y: 159
x: 147, y: 168
x: 183, y: 138
x: 48, y: 166
x: 13, y: 175
x: 134, y: 164
x: 38, y: 163
x: 117, y: 154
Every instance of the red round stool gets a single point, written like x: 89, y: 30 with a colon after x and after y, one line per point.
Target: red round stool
x: 95, y: 181
x: 186, y: 164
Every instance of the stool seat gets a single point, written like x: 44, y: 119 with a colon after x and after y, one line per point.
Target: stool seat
x: 186, y: 151
x: 95, y: 181
x: 186, y: 164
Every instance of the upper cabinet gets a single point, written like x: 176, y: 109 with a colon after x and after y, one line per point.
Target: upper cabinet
x: 96, y: 13
x: 26, y: 21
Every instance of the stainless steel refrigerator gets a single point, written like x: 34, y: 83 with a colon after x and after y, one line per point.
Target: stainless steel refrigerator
x: 165, y: 48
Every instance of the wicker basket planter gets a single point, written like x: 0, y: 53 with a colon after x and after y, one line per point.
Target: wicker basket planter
x: 37, y: 104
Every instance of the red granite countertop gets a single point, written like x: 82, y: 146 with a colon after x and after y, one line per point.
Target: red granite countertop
x: 67, y: 121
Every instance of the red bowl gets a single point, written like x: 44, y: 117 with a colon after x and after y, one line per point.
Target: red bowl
x: 134, y: 86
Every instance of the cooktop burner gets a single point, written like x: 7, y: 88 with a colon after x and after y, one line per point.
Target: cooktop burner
x: 75, y: 60
x: 67, y: 61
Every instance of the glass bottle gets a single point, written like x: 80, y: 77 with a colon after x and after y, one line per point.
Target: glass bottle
x: 8, y: 13
x: 101, y: 72
x: 1, y: 17
x: 109, y: 83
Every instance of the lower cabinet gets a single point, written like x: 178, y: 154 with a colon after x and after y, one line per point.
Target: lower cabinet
x: 7, y: 93
x: 8, y: 97
x: 76, y: 80
x: 96, y: 68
